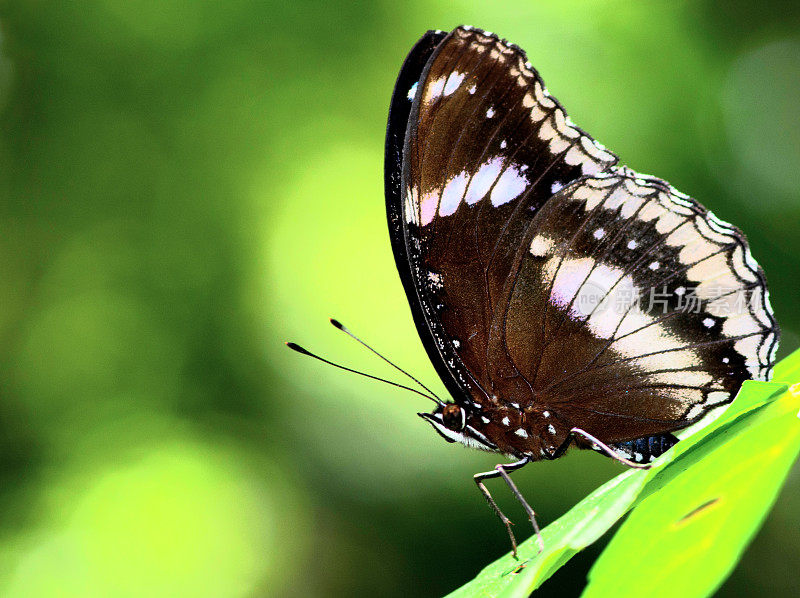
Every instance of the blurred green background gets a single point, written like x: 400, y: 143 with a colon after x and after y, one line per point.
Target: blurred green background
x: 186, y: 184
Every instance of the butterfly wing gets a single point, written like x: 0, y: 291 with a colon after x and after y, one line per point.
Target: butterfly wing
x: 506, y: 219
x: 484, y: 145
x: 635, y: 310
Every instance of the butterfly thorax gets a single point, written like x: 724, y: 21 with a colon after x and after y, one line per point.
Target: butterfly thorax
x: 503, y: 426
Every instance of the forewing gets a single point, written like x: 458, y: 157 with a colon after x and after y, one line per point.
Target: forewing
x: 485, y: 148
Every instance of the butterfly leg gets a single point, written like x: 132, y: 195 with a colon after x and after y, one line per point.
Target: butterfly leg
x: 502, y: 471
x: 607, y: 449
x: 479, y: 477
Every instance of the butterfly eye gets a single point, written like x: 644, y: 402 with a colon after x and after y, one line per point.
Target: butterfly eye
x: 453, y: 417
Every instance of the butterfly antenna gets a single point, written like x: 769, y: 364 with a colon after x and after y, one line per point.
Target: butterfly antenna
x: 347, y: 331
x: 299, y: 349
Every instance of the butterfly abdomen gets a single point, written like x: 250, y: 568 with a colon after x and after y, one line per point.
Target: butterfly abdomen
x: 645, y: 450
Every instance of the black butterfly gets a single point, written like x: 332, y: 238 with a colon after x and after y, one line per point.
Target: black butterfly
x: 563, y: 299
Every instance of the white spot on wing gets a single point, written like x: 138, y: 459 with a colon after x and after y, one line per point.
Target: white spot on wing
x: 427, y: 207
x: 542, y: 96
x: 596, y: 150
x: 695, y: 411
x: 453, y: 81
x: 597, y: 290
x: 568, y: 280
x: 521, y: 433
x: 509, y: 186
x: 435, y: 89
x: 541, y: 246
x: 483, y: 180
x: 413, y: 91
x: 717, y: 397
x: 452, y: 194
x: 562, y: 126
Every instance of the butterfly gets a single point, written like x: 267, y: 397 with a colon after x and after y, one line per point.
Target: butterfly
x: 563, y: 299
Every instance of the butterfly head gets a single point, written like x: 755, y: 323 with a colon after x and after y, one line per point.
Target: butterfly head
x: 451, y: 422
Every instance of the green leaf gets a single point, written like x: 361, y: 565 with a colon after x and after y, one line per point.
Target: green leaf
x: 686, y: 538
x: 760, y: 424
x: 581, y: 526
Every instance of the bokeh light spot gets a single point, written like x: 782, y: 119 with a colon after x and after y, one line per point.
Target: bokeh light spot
x: 182, y: 519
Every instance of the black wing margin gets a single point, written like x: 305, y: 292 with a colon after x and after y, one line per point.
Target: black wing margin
x: 399, y: 111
